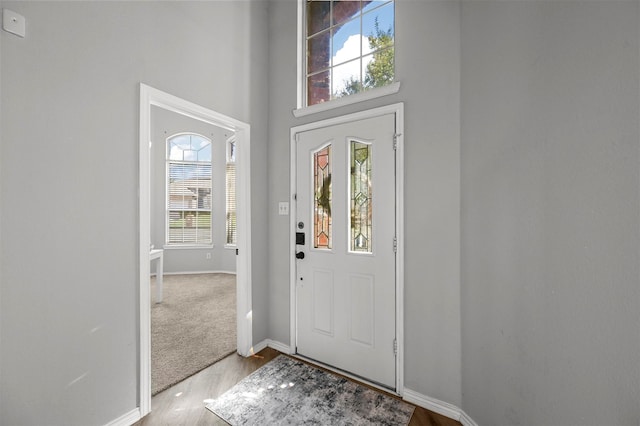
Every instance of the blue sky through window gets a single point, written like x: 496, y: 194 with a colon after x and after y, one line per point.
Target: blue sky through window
x: 189, y: 147
x: 385, y: 19
x: 349, y: 44
x: 192, y: 148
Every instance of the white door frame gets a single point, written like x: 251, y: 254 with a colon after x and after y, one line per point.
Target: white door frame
x: 148, y: 97
x: 398, y: 110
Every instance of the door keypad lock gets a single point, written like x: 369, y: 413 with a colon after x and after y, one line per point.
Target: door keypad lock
x: 300, y: 241
x: 300, y: 238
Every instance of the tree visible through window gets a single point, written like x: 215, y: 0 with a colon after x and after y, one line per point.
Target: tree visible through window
x: 349, y: 47
x: 188, y: 190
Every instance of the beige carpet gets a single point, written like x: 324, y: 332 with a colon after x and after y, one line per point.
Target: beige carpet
x: 193, y: 327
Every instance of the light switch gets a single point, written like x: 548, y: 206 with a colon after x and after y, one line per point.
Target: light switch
x: 283, y: 208
x: 13, y: 22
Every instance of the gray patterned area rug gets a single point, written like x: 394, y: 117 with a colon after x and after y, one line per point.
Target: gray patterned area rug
x: 289, y: 392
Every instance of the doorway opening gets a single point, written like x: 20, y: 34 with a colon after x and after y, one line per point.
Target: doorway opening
x: 151, y: 97
x: 193, y: 229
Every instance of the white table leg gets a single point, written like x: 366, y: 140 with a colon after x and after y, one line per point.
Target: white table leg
x: 158, y: 256
x: 159, y: 273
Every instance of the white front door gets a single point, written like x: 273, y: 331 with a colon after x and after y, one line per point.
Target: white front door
x: 345, y: 269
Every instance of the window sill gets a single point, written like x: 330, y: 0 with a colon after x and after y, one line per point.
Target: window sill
x: 188, y: 247
x: 348, y: 100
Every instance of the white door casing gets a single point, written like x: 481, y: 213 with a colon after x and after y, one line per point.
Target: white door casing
x: 150, y: 96
x: 347, y: 299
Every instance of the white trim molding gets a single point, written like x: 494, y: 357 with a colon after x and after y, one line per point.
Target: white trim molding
x: 259, y: 346
x: 150, y: 96
x: 199, y: 272
x: 273, y: 344
x: 466, y: 420
x: 279, y: 346
x: 378, y: 92
x: 437, y: 406
x: 126, y: 419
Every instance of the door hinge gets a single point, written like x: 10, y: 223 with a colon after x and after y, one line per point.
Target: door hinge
x: 395, y: 140
x: 395, y: 347
x: 395, y: 244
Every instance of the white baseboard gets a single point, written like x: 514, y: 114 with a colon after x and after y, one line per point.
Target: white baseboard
x: 258, y: 347
x: 126, y: 419
x: 466, y: 420
x: 197, y: 272
x: 437, y: 406
x: 279, y: 346
x: 273, y: 344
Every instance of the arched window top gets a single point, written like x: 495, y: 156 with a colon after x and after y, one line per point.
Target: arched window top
x: 189, y: 147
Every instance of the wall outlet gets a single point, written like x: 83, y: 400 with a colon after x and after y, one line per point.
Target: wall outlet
x: 283, y: 208
x: 208, y: 256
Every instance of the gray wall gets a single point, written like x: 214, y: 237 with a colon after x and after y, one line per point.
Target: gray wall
x: 165, y: 124
x: 537, y: 139
x: 1, y: 200
x: 427, y: 64
x: 69, y: 137
x: 550, y: 210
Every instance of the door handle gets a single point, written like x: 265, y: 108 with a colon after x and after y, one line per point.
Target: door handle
x: 300, y: 255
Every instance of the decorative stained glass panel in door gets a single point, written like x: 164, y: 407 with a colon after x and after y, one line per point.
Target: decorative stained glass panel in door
x: 361, y: 205
x: 322, y: 198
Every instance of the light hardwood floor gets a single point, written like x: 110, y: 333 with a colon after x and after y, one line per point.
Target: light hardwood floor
x: 183, y: 404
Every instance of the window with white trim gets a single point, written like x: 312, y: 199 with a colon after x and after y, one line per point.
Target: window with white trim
x: 189, y: 190
x: 348, y: 47
x: 231, y: 193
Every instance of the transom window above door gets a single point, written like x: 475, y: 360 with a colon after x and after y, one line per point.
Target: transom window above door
x: 348, y: 48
